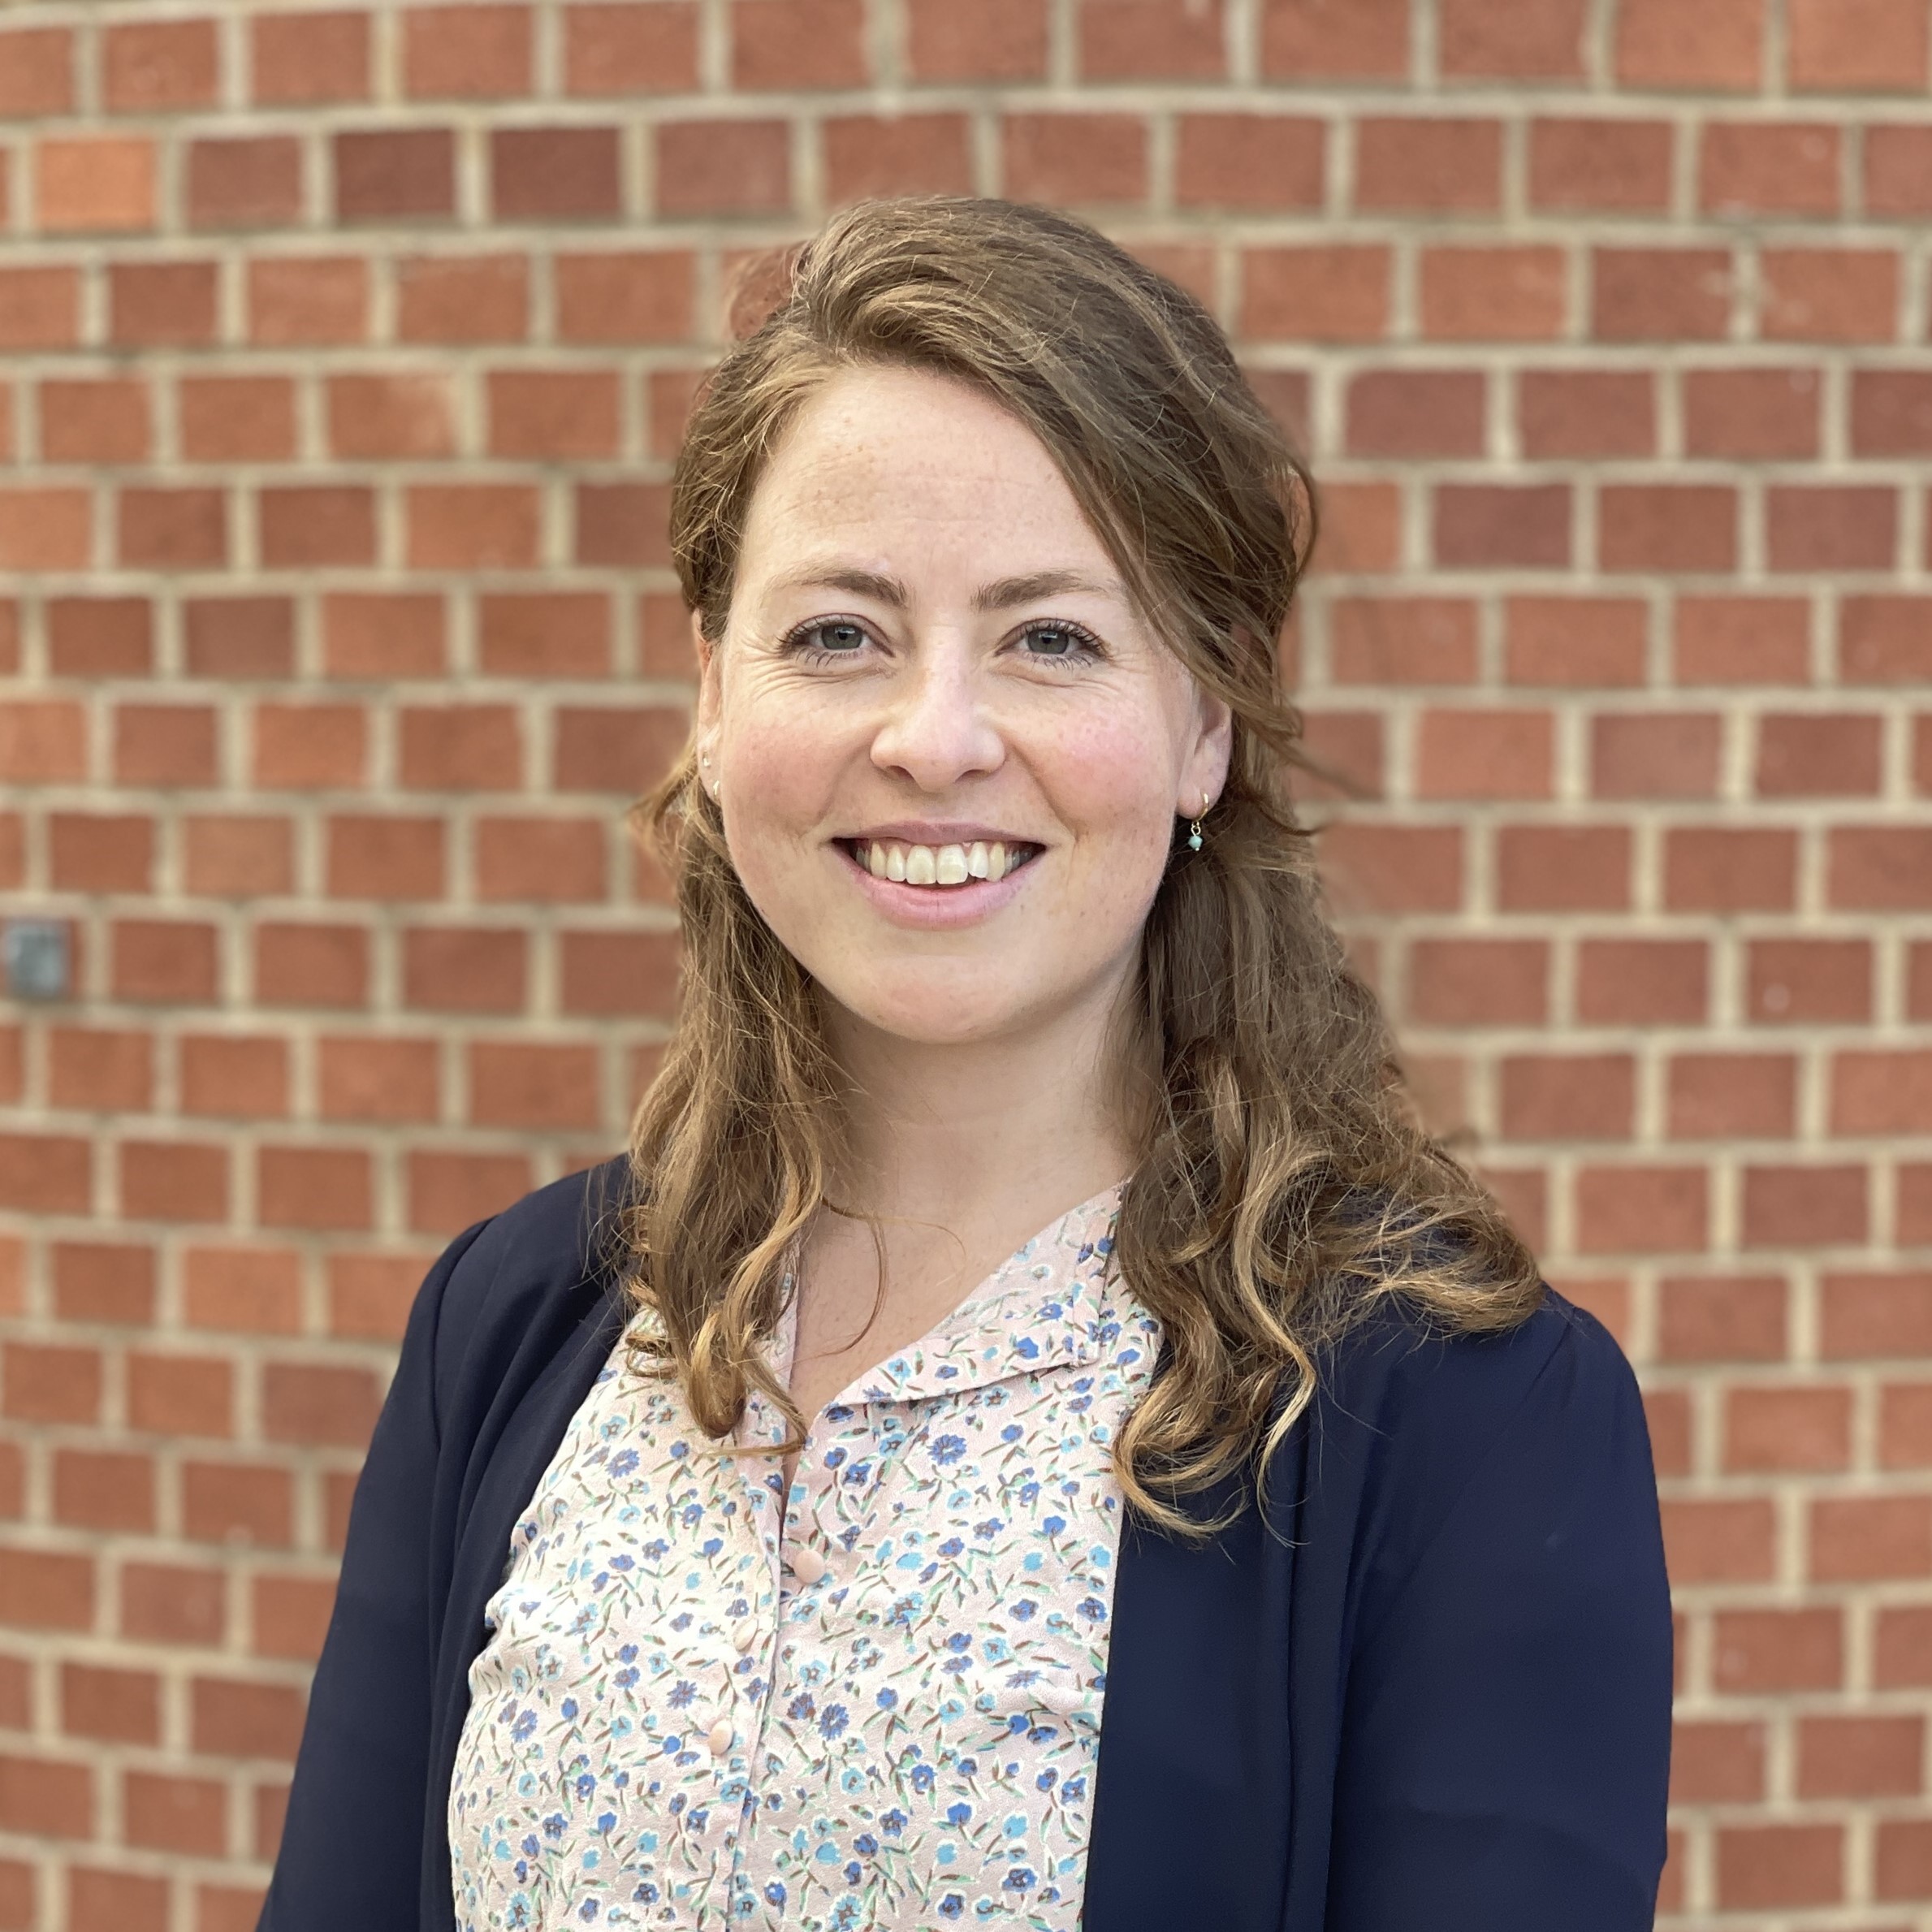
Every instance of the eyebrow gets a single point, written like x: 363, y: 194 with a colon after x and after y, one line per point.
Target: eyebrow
x: 1003, y: 593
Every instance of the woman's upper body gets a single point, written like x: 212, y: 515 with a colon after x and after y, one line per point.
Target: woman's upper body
x: 873, y: 1701
x: 1431, y: 1687
x: 991, y: 891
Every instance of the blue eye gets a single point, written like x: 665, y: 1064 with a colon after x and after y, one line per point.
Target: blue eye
x: 1060, y: 643
x: 839, y: 639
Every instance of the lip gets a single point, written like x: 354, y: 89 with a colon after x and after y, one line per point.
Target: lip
x: 950, y: 832
x: 930, y: 909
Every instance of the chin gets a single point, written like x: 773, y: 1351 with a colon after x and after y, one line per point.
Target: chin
x: 930, y: 1011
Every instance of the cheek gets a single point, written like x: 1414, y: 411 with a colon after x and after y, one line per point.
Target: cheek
x: 1113, y: 781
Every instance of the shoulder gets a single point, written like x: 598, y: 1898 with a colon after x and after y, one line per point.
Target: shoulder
x: 1409, y: 1419
x: 534, y: 1270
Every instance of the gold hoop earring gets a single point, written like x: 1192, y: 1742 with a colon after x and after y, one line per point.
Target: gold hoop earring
x: 1194, y: 828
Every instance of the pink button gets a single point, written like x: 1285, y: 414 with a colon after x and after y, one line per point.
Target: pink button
x: 807, y: 1565
x: 719, y: 1737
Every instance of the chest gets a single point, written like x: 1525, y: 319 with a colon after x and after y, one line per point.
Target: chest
x: 882, y: 1698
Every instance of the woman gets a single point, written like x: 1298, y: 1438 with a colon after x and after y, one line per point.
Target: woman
x: 1032, y: 1432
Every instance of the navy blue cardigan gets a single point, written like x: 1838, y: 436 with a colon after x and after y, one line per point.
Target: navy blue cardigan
x: 1431, y: 1689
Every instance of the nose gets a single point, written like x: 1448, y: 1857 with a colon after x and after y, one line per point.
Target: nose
x: 936, y: 730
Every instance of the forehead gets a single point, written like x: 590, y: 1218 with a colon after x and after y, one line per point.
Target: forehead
x: 921, y: 463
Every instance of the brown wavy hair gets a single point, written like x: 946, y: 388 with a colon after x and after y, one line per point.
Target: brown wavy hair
x: 1282, y: 1185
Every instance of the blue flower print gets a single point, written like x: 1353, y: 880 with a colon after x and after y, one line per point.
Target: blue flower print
x: 832, y: 1720
x: 948, y: 1449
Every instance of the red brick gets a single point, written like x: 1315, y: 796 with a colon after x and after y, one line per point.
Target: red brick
x: 1497, y: 526
x: 170, y: 960
x: 43, y: 1589
x: 100, y: 1069
x: 1902, y: 1653
x: 251, y: 1290
x: 1416, y: 413
x: 1879, y: 867
x: 999, y: 39
x: 1249, y: 161
x: 1718, y: 48
x: 101, y: 1281
x: 1741, y: 869
x: 1484, y: 754
x: 1667, y: 527
x: 383, y: 634
x: 540, y: 860
x: 1918, y: 981
x: 622, y: 751
x: 1750, y: 414
x: 631, y: 49
x: 1764, y: 167
x: 1766, y: 1866
x: 1826, y: 527
x: 174, y: 1181
x: 1714, y: 1763
x: 721, y: 168
x: 1891, y: 413
x: 1580, y: 641
x: 1896, y: 160
x: 464, y: 969
x: 36, y: 72
x: 545, y: 414
x: 240, y: 637
x: 313, y: 1188
x: 370, y: 1296
x: 320, y: 299
x: 1787, y: 1427
x: 1860, y: 1538
x: 377, y: 415
x: 554, y: 634
x: 555, y: 174
x: 1617, y: 165
x: 1905, y: 1426
x: 237, y: 419
x: 172, y: 1604
x: 512, y: 1085
x: 311, y: 965
x: 1078, y: 158
x: 884, y: 154
x: 1655, y: 754
x: 1902, y: 1857
x: 42, y: 742
x: 479, y: 298
x: 1413, y: 164
x: 1335, y: 39
x: 162, y: 303
x: 291, y: 1615
x: 1562, y: 868
x: 385, y: 857
x: 159, y: 65
x: 1642, y: 1210
x: 620, y: 973
x: 104, y: 1491
x: 1828, y: 295
x: 310, y: 747
x: 794, y: 43
x: 301, y: 59
x: 165, y: 1813
x: 1845, y: 1757
x: 1317, y: 293
x: 1721, y: 1096
x: 623, y: 524
x: 1493, y: 294
x: 103, y: 419
x: 98, y: 852
x: 1872, y: 1314
x: 237, y: 1504
x: 95, y: 184
x: 172, y: 530
x: 644, y: 296
x: 380, y: 1079
x: 461, y: 748
x: 252, y: 182
x: 1661, y: 295
x: 1742, y: 639
x: 1478, y: 982
x: 312, y: 1403
x: 466, y: 52
x: 117, y: 1706
x: 1758, y: 1651
x: 50, y: 1384
x: 1864, y: 46
x: 1810, y: 755
x: 45, y: 529
x: 1713, y: 1541
x: 187, y: 1395
x: 1392, y: 868
x: 448, y: 1191
x: 47, y: 1174
x: 1882, y: 1092
x: 232, y: 1719
x: 471, y: 526
x: 1587, y: 412
x: 1537, y: 39
x: 1788, y: 1207
x: 1152, y: 40
x: 234, y: 1077
x: 1570, y: 1097
x: 395, y: 174
x: 40, y: 308
x: 304, y: 526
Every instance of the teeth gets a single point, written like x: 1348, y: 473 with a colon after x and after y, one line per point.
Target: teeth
x: 938, y: 865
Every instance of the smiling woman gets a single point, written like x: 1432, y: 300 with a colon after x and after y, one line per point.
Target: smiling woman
x: 1034, y: 1430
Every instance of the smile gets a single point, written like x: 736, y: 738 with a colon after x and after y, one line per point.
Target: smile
x: 940, y: 866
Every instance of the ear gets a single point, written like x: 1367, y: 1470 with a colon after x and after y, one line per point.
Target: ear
x: 708, y: 693
x: 1205, y: 770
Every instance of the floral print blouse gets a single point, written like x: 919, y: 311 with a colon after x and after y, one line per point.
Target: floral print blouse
x: 877, y: 1706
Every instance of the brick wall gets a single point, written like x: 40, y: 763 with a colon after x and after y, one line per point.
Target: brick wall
x: 345, y: 352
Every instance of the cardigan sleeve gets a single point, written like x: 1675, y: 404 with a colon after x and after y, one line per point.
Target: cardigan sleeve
x: 1505, y: 1743
x: 351, y: 1845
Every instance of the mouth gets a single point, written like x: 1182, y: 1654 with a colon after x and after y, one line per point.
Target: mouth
x: 943, y: 868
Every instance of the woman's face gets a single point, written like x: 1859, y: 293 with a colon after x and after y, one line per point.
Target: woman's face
x: 949, y: 754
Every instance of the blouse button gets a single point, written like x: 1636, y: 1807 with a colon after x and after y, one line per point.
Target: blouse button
x: 746, y: 1637
x: 807, y: 1565
x: 719, y: 1737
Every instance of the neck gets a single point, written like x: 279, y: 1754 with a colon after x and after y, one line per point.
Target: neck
x: 937, y: 1132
